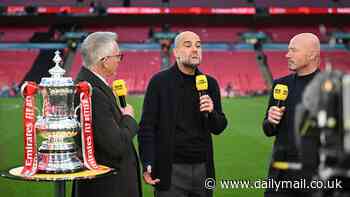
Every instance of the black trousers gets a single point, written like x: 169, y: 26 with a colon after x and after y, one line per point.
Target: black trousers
x: 287, y: 194
x: 187, y: 180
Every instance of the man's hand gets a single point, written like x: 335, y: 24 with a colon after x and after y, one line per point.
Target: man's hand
x: 148, y: 178
x: 206, y: 104
x: 275, y: 114
x: 128, y: 110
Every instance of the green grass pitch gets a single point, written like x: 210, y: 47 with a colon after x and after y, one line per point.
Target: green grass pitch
x: 241, y: 152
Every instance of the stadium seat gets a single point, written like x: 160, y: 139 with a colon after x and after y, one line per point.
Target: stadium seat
x: 19, y: 34
x: 125, y: 34
x: 15, y: 64
x: 238, y: 68
x: 136, y: 69
x: 279, y: 66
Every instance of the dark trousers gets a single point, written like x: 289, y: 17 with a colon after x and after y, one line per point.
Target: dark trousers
x: 187, y: 180
x: 289, y: 193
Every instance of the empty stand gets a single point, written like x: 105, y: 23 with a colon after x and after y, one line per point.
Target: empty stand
x: 19, y: 34
x: 136, y: 68
x: 277, y: 63
x: 214, y: 34
x: 140, y: 33
x: 238, y: 68
x: 281, y: 34
x: 338, y: 59
x: 15, y: 64
x: 125, y: 34
x: 285, y: 33
x: 279, y: 67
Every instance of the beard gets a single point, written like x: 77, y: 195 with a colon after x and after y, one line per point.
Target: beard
x: 292, y: 66
x: 190, y: 65
x: 189, y: 62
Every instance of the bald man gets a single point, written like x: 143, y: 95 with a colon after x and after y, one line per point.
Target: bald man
x: 175, y: 136
x: 303, y: 58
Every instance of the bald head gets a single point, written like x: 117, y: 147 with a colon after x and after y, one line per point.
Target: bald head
x: 304, y: 53
x: 188, y: 51
x: 308, y: 40
x: 183, y: 36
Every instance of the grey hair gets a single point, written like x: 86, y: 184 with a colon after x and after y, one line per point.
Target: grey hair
x: 177, y: 40
x: 96, y: 46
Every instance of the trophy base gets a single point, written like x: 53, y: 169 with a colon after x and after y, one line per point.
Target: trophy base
x: 60, y: 171
x: 15, y: 173
x: 59, y: 163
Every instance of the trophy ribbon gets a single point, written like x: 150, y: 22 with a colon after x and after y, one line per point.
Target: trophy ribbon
x: 30, y: 151
x: 88, y: 151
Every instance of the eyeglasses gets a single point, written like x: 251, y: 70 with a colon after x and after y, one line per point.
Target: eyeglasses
x: 119, y: 56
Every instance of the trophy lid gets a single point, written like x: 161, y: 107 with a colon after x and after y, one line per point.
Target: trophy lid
x: 57, y: 79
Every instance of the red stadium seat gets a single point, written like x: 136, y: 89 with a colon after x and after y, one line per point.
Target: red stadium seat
x: 207, y: 34
x: 277, y: 63
x: 338, y: 59
x: 214, y: 34
x: 19, y: 34
x: 238, y: 68
x: 125, y: 34
x: 15, y: 64
x: 136, y: 69
x: 285, y: 33
x: 279, y: 67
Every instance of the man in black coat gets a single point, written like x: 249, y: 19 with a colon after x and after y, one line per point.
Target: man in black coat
x: 303, y: 59
x: 113, y: 127
x: 175, y: 136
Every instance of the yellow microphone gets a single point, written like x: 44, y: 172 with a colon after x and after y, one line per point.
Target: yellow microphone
x: 282, y: 165
x: 119, y: 88
x: 280, y: 93
x: 202, y: 87
x: 201, y: 84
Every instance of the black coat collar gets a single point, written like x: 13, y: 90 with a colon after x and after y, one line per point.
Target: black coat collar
x: 177, y: 73
x: 86, y: 74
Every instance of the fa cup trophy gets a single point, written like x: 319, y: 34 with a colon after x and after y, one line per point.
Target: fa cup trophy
x: 57, y: 124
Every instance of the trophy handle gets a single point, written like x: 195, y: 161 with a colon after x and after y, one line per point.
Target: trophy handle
x: 76, y: 110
